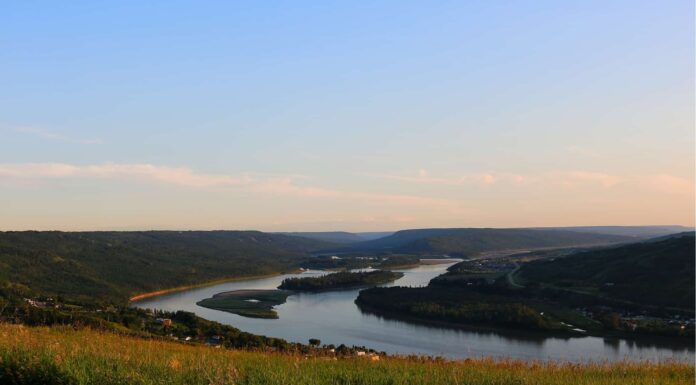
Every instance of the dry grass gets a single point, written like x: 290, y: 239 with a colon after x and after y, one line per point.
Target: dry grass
x: 64, y: 356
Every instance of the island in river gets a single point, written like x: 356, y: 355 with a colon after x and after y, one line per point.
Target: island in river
x: 260, y: 303
x: 341, y: 280
x: 247, y: 303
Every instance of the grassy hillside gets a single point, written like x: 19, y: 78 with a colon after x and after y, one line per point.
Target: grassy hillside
x: 64, y: 356
x: 468, y: 242
x: 658, y: 273
x: 115, y: 265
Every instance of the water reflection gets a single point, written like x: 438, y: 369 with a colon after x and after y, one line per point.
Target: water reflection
x: 334, y: 318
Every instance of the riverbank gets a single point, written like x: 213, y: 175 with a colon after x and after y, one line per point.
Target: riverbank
x: 65, y: 356
x: 522, y: 334
x: 157, y: 293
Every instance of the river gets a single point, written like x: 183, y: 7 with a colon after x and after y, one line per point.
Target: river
x: 333, y: 318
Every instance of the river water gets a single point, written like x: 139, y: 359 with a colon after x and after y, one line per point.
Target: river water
x: 333, y: 318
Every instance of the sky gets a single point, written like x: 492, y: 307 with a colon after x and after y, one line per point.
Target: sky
x: 346, y: 115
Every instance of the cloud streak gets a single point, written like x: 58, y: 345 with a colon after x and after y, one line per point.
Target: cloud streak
x: 52, y: 136
x: 483, y: 179
x: 186, y: 177
x: 568, y: 180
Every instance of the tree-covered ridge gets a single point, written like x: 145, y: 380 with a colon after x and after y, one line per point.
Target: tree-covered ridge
x: 454, y: 305
x: 112, y: 266
x: 340, y: 280
x: 467, y: 242
x: 659, y: 273
x: 360, y: 261
x: 642, y: 288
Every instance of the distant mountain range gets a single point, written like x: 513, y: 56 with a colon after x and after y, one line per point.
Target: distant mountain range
x: 340, y: 236
x: 629, y: 231
x: 115, y: 265
x: 467, y: 242
x: 471, y: 241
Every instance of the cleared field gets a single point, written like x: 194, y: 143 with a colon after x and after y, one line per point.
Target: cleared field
x: 65, y: 356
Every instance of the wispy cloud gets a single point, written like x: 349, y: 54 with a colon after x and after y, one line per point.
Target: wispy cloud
x: 568, y: 180
x: 672, y: 184
x: 580, y: 178
x: 182, y: 176
x: 49, y: 135
x: 480, y: 179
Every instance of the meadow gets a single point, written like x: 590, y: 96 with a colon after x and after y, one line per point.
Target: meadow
x: 62, y: 355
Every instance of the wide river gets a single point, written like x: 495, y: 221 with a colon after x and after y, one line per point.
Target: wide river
x: 333, y: 318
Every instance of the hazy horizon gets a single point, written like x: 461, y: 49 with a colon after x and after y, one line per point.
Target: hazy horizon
x: 328, y: 230
x: 354, y: 117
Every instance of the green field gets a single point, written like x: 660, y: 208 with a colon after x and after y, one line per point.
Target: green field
x: 64, y: 356
x: 247, y: 303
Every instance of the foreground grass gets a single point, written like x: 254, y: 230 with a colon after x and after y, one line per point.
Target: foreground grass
x: 64, y: 356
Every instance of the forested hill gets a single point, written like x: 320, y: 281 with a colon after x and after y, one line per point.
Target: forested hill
x: 659, y: 273
x: 472, y: 241
x: 329, y: 236
x: 115, y: 265
x: 631, y: 231
x: 341, y: 237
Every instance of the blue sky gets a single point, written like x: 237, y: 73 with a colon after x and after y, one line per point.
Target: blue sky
x: 345, y: 115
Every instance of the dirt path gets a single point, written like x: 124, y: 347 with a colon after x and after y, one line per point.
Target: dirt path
x: 511, y: 280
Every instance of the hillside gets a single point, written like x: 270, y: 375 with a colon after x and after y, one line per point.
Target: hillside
x: 329, y: 236
x: 629, y: 231
x: 472, y: 241
x: 341, y: 237
x: 659, y: 273
x: 370, y: 235
x: 642, y: 288
x: 65, y: 356
x: 115, y: 265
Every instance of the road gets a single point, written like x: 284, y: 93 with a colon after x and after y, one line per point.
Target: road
x: 511, y: 280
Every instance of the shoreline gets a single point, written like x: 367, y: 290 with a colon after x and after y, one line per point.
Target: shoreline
x: 651, y: 339
x: 157, y: 293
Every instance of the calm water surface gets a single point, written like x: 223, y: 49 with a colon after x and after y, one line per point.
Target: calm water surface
x: 333, y: 318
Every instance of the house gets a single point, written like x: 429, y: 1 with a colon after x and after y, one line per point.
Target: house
x: 35, y: 303
x: 166, y: 322
x: 213, y: 341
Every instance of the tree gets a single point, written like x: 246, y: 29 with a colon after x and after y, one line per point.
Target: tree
x: 314, y: 342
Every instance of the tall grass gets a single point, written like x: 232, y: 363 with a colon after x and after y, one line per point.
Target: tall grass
x: 63, y: 356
